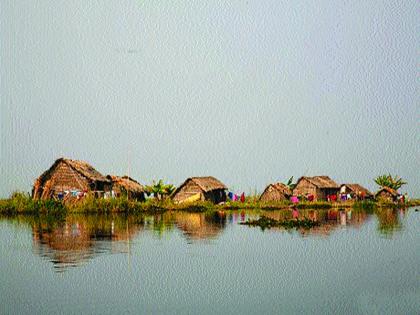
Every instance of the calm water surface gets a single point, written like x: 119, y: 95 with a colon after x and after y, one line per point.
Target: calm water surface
x: 353, y: 263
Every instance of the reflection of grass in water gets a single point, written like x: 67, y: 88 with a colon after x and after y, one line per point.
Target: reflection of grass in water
x: 388, y: 220
x: 366, y: 206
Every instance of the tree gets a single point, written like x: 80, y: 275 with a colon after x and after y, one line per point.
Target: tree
x: 290, y: 183
x: 389, y: 181
x: 159, y: 189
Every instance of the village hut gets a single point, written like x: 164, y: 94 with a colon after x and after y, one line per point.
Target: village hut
x: 70, y: 178
x: 356, y: 191
x: 387, y: 194
x: 276, y: 192
x: 318, y: 186
x: 124, y: 185
x: 200, y: 188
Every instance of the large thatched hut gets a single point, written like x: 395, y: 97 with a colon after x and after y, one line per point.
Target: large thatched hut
x: 387, y: 194
x: 276, y: 192
x: 356, y: 191
x: 317, y: 186
x: 200, y: 188
x: 124, y: 185
x: 69, y: 176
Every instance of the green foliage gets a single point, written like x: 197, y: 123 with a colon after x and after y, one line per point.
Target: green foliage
x: 21, y: 202
x: 290, y: 183
x: 267, y: 223
x: 389, y: 181
x: 159, y: 189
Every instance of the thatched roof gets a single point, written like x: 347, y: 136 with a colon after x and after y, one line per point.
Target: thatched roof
x: 320, y: 181
x: 82, y: 167
x: 206, y: 183
x: 284, y: 189
x: 357, y: 188
x: 128, y: 183
x: 391, y: 191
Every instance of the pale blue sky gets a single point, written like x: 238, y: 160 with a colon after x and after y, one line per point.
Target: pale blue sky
x: 248, y: 91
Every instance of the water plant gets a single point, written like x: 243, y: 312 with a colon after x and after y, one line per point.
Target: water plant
x: 267, y: 223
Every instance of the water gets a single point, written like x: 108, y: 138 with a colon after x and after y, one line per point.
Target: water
x: 189, y: 263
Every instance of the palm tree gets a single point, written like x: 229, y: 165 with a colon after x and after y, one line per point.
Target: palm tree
x: 290, y: 184
x: 389, y: 181
x: 159, y: 189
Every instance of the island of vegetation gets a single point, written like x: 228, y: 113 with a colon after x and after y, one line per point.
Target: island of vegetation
x: 76, y: 186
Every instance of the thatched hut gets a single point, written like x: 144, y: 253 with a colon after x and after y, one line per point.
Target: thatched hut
x: 317, y: 186
x: 276, y: 192
x: 69, y: 176
x: 387, y: 194
x: 200, y: 188
x: 356, y: 191
x: 123, y: 185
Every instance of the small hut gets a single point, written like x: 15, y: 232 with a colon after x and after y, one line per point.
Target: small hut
x: 356, y: 191
x: 276, y: 192
x: 72, y: 177
x: 123, y: 185
x: 387, y: 194
x: 200, y: 188
x: 318, y: 186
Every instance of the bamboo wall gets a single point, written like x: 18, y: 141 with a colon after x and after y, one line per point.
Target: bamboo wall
x: 188, y: 190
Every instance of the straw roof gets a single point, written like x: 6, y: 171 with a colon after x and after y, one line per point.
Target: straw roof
x: 391, y: 191
x: 357, y: 188
x: 280, y: 187
x: 82, y: 167
x: 207, y: 183
x: 320, y: 181
x: 128, y: 183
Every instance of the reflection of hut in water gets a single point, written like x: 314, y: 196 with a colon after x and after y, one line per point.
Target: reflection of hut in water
x: 200, y: 188
x: 276, y: 192
x: 71, y: 176
x: 356, y: 191
x: 318, y: 186
x: 198, y: 226
x: 77, y: 240
x: 387, y: 194
x: 126, y: 185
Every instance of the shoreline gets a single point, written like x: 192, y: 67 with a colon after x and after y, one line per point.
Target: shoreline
x: 23, y: 204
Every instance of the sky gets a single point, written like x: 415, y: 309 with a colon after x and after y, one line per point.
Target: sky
x: 251, y: 92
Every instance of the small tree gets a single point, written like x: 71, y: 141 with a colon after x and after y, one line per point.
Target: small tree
x: 389, y: 181
x: 290, y: 183
x: 159, y: 189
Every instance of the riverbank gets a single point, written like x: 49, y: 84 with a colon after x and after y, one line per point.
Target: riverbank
x: 21, y: 203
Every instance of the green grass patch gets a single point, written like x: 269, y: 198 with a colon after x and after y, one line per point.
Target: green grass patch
x: 267, y: 223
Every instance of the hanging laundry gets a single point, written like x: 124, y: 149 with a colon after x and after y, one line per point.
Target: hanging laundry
x: 230, y: 195
x: 243, y: 197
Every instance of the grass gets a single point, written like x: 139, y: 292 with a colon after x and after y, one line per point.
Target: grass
x: 267, y: 223
x: 22, y: 203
